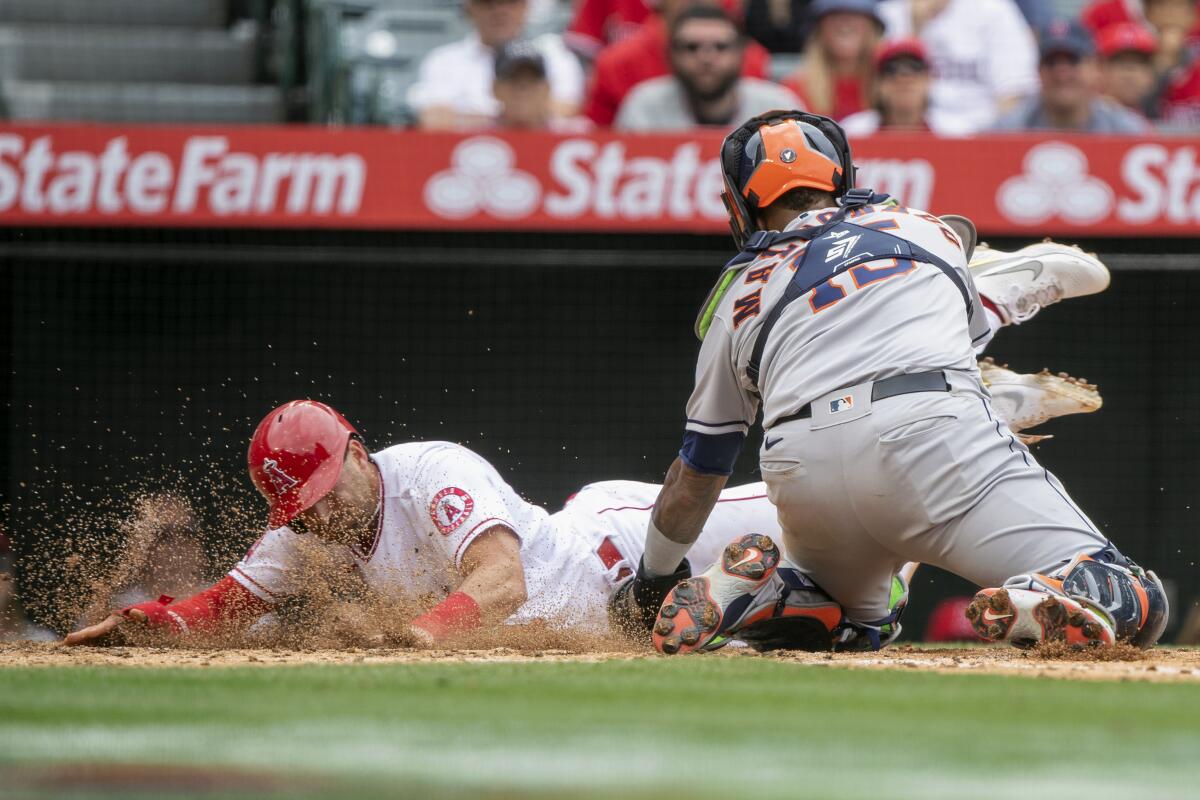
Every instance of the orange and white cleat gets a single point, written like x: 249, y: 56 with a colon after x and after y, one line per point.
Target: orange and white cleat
x: 1092, y: 599
x: 704, y: 612
x: 1026, y: 617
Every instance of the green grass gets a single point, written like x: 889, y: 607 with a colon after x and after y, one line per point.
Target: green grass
x: 712, y: 727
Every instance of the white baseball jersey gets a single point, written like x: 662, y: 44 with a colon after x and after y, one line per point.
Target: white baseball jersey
x: 438, y: 497
x: 885, y: 317
x: 621, y: 510
x: 982, y: 50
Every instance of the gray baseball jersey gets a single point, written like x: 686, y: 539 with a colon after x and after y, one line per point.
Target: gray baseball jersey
x: 863, y: 485
x: 886, y: 317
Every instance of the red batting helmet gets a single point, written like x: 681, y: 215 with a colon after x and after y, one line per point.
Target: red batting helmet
x: 296, y: 456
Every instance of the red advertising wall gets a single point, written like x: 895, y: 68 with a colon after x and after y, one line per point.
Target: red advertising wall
x: 318, y: 177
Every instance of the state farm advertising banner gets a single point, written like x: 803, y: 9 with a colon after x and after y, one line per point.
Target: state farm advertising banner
x: 317, y: 177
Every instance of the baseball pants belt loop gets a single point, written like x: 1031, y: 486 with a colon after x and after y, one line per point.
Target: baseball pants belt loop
x: 890, y: 387
x: 610, y: 556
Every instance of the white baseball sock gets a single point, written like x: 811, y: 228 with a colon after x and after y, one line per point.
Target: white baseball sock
x: 662, y: 555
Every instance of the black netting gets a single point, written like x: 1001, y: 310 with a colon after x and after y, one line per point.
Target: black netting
x: 131, y: 368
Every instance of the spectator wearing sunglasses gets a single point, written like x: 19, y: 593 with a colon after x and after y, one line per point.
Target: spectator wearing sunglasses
x: 646, y: 54
x: 705, y: 86
x: 900, y: 96
x: 1069, y: 99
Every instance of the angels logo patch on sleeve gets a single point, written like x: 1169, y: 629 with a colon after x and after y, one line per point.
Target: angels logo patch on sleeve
x: 450, y: 509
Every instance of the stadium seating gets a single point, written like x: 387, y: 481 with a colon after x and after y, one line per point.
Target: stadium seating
x: 131, y: 60
x: 363, y: 56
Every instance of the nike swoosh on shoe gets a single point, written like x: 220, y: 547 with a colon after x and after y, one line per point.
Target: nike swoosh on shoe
x: 1020, y: 265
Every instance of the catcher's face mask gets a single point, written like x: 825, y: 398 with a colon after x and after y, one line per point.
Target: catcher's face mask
x: 773, y: 153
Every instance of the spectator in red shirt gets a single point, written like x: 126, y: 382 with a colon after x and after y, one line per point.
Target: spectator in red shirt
x: 837, y: 68
x: 1177, y: 22
x: 1126, y: 65
x: 602, y: 22
x: 706, y: 87
x: 644, y: 55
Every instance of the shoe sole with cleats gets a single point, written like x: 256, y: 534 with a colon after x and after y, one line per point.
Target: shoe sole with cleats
x: 1026, y: 618
x: 712, y: 606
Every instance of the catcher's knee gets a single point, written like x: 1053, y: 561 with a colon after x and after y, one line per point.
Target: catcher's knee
x: 1132, y: 598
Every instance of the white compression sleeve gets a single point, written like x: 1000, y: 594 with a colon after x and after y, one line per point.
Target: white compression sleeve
x: 662, y: 555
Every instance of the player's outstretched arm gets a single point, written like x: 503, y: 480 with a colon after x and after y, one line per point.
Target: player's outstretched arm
x: 105, y: 632
x: 492, y: 589
x: 225, y: 603
x: 684, y: 505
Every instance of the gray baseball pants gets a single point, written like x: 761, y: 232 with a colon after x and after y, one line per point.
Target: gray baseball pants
x: 934, y: 477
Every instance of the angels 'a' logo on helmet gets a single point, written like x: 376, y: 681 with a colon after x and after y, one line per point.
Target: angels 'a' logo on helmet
x: 279, y: 479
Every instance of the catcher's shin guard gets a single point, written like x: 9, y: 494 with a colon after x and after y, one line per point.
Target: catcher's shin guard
x: 634, y: 604
x: 1095, y: 599
x: 793, y: 613
x: 855, y: 636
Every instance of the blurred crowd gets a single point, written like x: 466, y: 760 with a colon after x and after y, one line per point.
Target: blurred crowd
x: 950, y: 67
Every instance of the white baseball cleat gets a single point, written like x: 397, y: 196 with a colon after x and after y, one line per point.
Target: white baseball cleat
x: 1026, y: 401
x: 1022, y: 283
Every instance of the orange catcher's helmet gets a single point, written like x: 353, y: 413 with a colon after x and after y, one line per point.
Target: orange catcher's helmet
x: 773, y: 153
x: 296, y: 456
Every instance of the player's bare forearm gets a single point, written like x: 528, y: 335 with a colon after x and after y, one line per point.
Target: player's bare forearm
x: 686, y: 500
x: 493, y: 587
x: 493, y: 574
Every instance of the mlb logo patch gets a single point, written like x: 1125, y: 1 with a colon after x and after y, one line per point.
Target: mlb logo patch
x: 841, y: 404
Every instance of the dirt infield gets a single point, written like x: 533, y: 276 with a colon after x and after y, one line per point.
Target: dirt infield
x: 1118, y: 664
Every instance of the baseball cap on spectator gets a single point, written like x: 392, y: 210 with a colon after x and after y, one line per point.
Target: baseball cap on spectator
x: 1065, y: 37
x: 892, y: 49
x: 1126, y: 37
x: 868, y: 7
x: 514, y: 58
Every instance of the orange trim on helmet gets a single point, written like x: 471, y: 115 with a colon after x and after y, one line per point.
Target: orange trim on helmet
x: 779, y: 173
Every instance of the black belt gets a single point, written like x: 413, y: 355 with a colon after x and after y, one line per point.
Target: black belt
x: 890, y: 387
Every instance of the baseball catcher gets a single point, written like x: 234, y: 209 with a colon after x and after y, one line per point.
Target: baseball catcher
x: 853, y: 323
